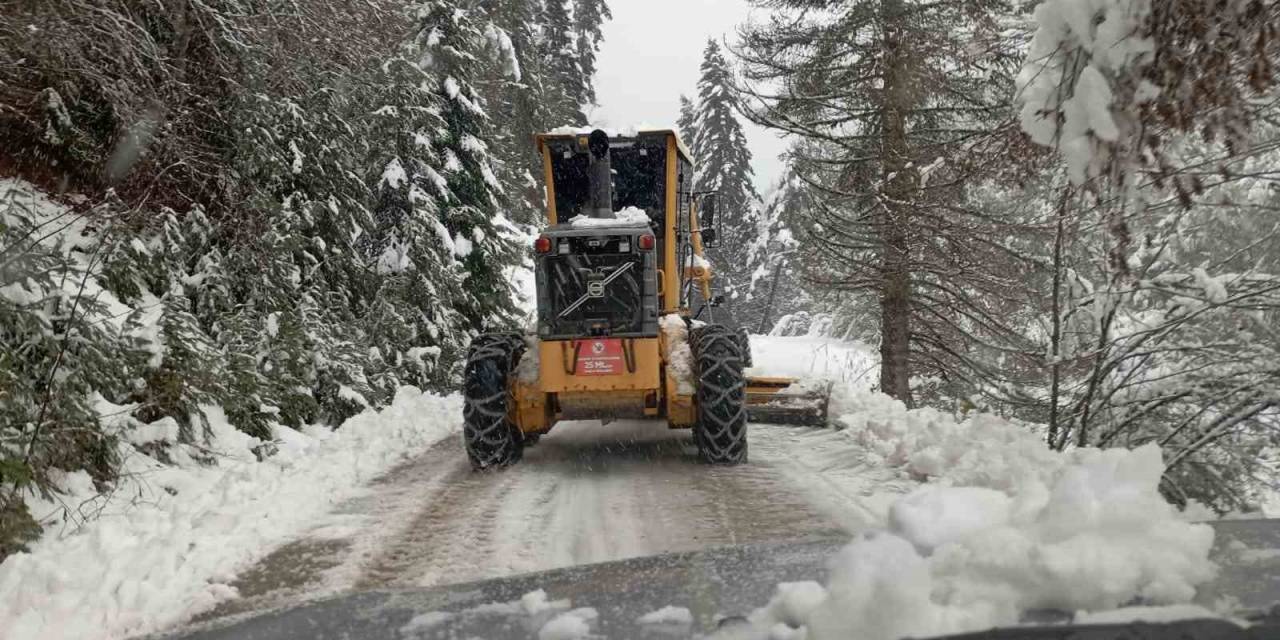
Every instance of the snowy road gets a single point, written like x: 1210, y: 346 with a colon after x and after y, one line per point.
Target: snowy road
x: 586, y: 493
x: 388, y: 499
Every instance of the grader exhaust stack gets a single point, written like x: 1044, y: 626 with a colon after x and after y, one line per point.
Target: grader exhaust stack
x: 617, y: 270
x: 601, y: 183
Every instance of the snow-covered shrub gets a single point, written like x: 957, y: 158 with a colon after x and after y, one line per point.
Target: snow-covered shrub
x: 56, y: 351
x: 1161, y: 317
x: 256, y: 254
x: 792, y: 324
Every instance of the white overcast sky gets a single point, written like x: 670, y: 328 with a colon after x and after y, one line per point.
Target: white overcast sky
x: 650, y: 55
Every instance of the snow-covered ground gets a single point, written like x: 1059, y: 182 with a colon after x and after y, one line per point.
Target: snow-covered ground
x: 997, y: 525
x: 957, y: 524
x: 807, y: 357
x: 168, y: 541
x: 983, y: 522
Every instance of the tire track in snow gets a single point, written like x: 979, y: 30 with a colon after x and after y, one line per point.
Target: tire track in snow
x: 592, y: 493
x: 586, y: 493
x: 447, y: 538
x: 331, y: 557
x: 835, y: 474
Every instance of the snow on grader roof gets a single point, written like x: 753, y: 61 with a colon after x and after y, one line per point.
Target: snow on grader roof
x: 633, y: 131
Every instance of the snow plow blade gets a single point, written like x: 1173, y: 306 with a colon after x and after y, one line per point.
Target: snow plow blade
x: 785, y: 401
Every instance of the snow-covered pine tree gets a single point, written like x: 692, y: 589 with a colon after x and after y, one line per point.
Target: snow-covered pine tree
x: 273, y: 270
x: 264, y: 272
x: 723, y: 164
x: 513, y: 92
x: 564, y: 84
x: 441, y: 244
x: 887, y: 96
x: 448, y: 46
x: 588, y: 19
x: 184, y: 367
x: 339, y: 353
x: 775, y: 289
x: 55, y: 353
x: 687, y: 122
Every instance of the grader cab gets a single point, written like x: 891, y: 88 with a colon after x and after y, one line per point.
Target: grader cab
x: 619, y: 270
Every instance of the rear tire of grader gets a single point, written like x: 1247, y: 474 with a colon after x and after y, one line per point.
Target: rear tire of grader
x: 721, y: 430
x: 490, y: 438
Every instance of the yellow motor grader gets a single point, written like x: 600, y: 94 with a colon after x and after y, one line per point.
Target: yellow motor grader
x: 617, y: 270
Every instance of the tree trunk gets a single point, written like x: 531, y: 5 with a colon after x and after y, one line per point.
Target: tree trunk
x: 1055, y: 337
x: 773, y: 292
x: 899, y: 191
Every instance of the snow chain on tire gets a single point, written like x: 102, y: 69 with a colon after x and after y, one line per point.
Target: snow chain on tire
x: 490, y: 438
x: 721, y: 430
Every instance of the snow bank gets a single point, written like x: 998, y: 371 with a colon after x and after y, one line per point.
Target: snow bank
x: 811, y: 357
x: 982, y: 450
x: 679, y: 353
x: 536, y: 602
x: 569, y: 625
x: 422, y: 624
x: 1170, y: 613
x: 628, y: 217
x: 171, y: 537
x: 1000, y: 525
x: 668, y: 615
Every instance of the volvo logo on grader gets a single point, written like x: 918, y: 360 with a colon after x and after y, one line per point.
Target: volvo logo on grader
x: 611, y: 358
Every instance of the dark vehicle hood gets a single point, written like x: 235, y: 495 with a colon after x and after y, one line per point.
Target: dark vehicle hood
x: 719, y: 586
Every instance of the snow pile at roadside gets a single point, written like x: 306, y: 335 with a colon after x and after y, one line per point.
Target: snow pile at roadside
x: 981, y: 450
x: 679, y: 354
x: 1003, y: 525
x: 569, y: 625
x: 627, y: 217
x: 668, y: 615
x: 171, y: 537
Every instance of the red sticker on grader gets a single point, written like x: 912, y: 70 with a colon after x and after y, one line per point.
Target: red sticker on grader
x: 599, y: 357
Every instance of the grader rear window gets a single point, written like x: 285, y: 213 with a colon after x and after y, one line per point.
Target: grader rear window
x: 639, y: 179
